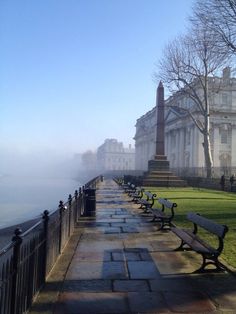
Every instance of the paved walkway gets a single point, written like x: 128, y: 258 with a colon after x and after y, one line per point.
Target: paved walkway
x: 120, y: 263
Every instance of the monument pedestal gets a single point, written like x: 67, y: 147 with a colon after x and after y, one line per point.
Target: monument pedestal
x: 159, y: 162
x: 159, y: 174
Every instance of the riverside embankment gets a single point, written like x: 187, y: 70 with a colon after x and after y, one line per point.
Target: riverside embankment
x: 23, y: 200
x: 119, y: 262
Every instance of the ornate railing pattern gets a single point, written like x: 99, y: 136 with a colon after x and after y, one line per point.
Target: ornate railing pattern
x: 28, y: 259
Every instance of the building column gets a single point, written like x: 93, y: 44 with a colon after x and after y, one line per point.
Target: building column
x: 233, y: 147
x: 193, y: 148
x: 146, y: 153
x: 177, y: 148
x: 216, y: 151
x: 181, y: 147
x: 200, y: 161
x: 167, y: 151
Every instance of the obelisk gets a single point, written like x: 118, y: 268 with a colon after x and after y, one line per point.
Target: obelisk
x: 159, y: 161
x: 159, y: 173
x: 160, y: 130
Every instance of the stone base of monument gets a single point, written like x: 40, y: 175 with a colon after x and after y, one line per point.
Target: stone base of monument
x: 159, y: 174
x: 158, y: 164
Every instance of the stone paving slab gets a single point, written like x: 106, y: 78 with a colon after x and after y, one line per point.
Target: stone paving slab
x: 189, y: 302
x: 181, y: 283
x: 96, y: 270
x: 122, y: 255
x: 143, y: 270
x: 94, y: 285
x: 91, y: 257
x: 97, y: 246
x: 130, y: 285
x: 178, y: 262
x: 118, y: 262
x: 147, y: 302
x: 91, y: 303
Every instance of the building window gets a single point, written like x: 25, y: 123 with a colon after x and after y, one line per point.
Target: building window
x: 224, y: 136
x: 224, y: 99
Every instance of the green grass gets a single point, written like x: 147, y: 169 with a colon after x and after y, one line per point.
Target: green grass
x: 216, y: 205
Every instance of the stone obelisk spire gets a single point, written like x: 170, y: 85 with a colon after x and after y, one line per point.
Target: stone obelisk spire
x: 159, y: 173
x: 160, y: 131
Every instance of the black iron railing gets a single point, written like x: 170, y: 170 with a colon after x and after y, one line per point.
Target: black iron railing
x: 28, y: 259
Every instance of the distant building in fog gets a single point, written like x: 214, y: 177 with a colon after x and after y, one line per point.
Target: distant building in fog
x: 112, y: 155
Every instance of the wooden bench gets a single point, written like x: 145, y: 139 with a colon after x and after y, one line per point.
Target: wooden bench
x: 165, y: 214
x: 127, y: 186
x: 131, y: 189
x: 137, y: 195
x: 147, y: 202
x: 119, y: 181
x: 194, y: 242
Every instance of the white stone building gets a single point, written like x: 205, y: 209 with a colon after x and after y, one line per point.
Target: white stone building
x: 183, y: 140
x: 112, y: 155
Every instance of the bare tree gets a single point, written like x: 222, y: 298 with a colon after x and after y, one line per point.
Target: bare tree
x: 186, y: 67
x: 219, y: 16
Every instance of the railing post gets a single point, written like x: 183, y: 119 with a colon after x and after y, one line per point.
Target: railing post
x: 61, y: 208
x: 45, y: 227
x: 69, y: 204
x: 17, y: 240
x: 76, y: 211
x: 81, y: 197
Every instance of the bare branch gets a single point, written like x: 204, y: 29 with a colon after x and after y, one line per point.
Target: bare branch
x: 188, y: 65
x: 198, y: 123
x: 219, y: 17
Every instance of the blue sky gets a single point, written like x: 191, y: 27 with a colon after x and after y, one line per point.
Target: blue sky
x: 75, y: 72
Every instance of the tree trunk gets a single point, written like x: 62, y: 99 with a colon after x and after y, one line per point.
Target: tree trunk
x: 207, y: 148
x: 208, y: 157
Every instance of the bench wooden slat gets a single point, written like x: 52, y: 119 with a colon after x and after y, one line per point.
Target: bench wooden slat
x: 130, y: 189
x: 147, y: 203
x: 158, y: 213
x: 208, y: 224
x: 162, y: 215
x: 137, y: 195
x: 191, y: 238
x: 193, y: 241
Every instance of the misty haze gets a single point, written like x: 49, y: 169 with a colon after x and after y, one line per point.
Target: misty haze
x: 30, y: 184
x: 71, y: 76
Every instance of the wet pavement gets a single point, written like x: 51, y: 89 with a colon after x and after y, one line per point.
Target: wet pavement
x: 119, y: 262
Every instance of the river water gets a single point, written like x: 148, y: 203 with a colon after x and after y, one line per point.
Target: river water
x: 24, y: 198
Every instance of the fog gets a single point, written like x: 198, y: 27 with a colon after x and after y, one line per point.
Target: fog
x: 32, y: 182
x: 36, y: 164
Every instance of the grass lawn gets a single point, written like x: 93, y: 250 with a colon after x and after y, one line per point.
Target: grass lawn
x: 216, y: 205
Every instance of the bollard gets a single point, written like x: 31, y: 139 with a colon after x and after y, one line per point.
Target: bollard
x: 70, y: 214
x: 61, y: 209
x: 89, y: 202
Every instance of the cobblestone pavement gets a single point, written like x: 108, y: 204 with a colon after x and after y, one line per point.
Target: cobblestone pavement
x: 119, y: 262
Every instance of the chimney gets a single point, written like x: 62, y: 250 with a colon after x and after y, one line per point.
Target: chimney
x: 226, y: 73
